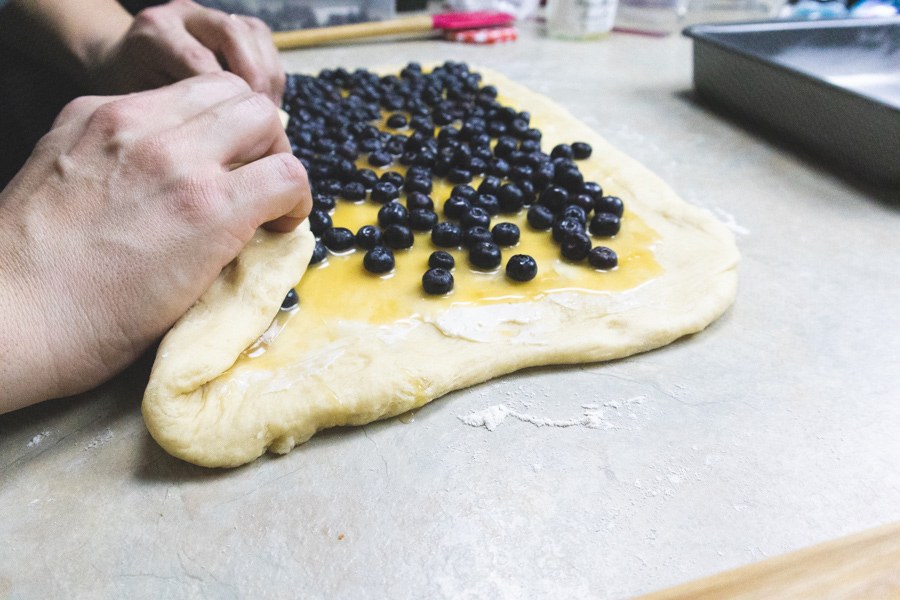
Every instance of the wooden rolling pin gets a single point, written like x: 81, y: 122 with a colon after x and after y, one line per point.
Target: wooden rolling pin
x: 862, y: 566
x: 418, y: 24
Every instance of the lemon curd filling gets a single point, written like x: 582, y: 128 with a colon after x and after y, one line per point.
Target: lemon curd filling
x: 340, y: 290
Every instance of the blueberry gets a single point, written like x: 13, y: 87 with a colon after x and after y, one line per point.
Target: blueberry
x: 575, y: 212
x: 530, y: 146
x: 561, y: 151
x: 581, y: 150
x: 521, y: 172
x: 527, y: 192
x: 518, y: 127
x: 367, y: 177
x: 510, y: 198
x: 370, y: 144
x: 592, y: 189
x: 291, y: 300
x: 582, y: 201
x: 456, y: 206
x: 603, y: 258
x: 392, y: 213
x: 368, y: 237
x: 348, y: 150
x: 504, y: 147
x: 575, y: 247
x: 489, y: 185
x: 542, y: 175
x: 437, y: 282
x: 505, y: 234
x: 319, y: 253
x: 398, y: 236
x: 380, y: 158
x: 569, y: 178
x: 418, y: 172
x: 477, y: 165
x: 323, y: 202
x: 475, y: 216
x: 395, y: 145
x: 353, y: 191
x: 418, y: 184
x: 419, y: 200
x: 396, y: 121
x: 422, y: 219
x: 457, y: 175
x: 319, y: 222
x: 554, y: 198
x: 485, y: 255
x: 605, y: 224
x: 564, y: 228
x: 446, y: 235
x: 488, y: 202
x: 338, y: 239
x: 393, y: 177
x: 441, y: 260
x: 489, y: 91
x: 384, y: 191
x: 498, y: 167
x: 476, y: 235
x: 540, y: 217
x: 521, y: 267
x: 379, y: 260
x: 609, y: 204
x: 464, y: 191
x: 330, y: 187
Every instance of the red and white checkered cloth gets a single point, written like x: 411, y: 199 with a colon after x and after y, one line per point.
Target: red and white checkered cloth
x: 491, y: 35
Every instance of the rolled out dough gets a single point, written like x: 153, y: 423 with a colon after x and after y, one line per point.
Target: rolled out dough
x: 207, y: 404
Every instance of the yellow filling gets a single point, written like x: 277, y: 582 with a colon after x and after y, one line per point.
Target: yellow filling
x: 340, y: 289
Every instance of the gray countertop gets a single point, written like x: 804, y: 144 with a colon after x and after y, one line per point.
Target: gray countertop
x: 774, y: 429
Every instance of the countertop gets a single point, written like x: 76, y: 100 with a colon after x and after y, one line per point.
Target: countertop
x: 775, y: 428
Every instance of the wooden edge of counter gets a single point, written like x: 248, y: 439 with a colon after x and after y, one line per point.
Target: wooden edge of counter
x: 864, y: 565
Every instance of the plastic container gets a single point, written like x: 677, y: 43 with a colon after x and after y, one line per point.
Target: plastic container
x: 580, y: 19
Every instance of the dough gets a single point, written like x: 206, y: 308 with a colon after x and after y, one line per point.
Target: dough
x: 213, y: 402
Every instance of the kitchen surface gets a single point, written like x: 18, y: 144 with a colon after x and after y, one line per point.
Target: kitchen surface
x: 774, y: 429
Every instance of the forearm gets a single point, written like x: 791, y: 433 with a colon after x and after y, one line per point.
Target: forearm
x: 59, y: 33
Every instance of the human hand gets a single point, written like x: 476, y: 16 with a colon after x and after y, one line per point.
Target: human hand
x: 180, y: 39
x: 124, y: 214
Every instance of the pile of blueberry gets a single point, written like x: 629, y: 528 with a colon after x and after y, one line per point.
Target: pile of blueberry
x: 440, y: 124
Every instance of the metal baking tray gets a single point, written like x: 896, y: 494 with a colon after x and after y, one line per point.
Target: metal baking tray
x: 832, y: 86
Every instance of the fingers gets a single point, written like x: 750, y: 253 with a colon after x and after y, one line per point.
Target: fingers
x: 235, y: 131
x: 273, y: 190
x: 270, y: 57
x: 245, y: 45
x: 186, y: 55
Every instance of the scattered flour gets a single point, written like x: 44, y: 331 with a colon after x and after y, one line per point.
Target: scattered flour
x: 100, y: 440
x: 729, y: 222
x: 37, y: 439
x: 592, y: 416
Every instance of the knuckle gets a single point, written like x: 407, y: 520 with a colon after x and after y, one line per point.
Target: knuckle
x: 198, y: 57
x: 79, y: 106
x: 150, y: 17
x: 279, y: 79
x: 113, y: 118
x: 233, y: 28
x: 256, y: 24
x: 155, y: 155
x: 197, y: 202
x: 228, y: 79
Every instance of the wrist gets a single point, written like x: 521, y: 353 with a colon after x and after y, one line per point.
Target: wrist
x: 27, y: 374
